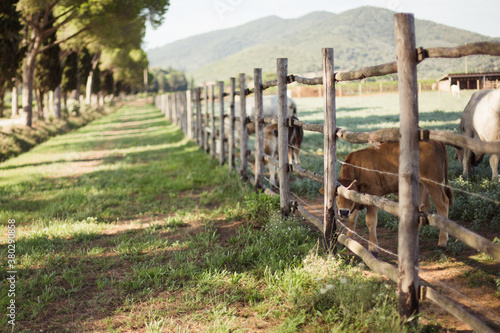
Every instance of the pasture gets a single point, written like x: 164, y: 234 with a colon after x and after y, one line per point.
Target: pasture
x: 125, y: 225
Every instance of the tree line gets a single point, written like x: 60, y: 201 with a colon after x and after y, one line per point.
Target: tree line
x: 73, y: 48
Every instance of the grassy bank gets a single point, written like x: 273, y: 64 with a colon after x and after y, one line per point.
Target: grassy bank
x: 124, y: 225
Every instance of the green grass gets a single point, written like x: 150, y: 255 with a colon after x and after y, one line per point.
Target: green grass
x: 125, y: 225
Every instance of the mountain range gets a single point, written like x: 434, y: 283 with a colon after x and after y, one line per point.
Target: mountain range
x: 360, y: 37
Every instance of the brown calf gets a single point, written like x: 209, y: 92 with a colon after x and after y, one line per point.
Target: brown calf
x: 433, y: 163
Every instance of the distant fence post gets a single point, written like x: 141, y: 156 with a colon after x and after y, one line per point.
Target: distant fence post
x: 199, y: 128
x: 189, y: 115
x: 222, y: 153
x: 182, y: 96
x: 185, y: 109
x: 176, y: 108
x: 329, y: 144
x: 212, y: 121
x: 165, y: 104
x: 243, y: 129
x: 259, y: 133
x: 283, y: 172
x: 172, y: 106
x: 231, y: 123
x: 408, y: 166
x: 179, y: 109
x: 205, y: 123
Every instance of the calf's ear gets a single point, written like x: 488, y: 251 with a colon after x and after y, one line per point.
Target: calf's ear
x: 353, y: 185
x: 322, y: 190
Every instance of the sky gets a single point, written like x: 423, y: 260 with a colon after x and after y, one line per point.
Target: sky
x: 187, y: 18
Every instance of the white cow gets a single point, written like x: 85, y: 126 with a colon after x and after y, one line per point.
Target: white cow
x: 455, y: 90
x: 269, y: 103
x: 480, y: 119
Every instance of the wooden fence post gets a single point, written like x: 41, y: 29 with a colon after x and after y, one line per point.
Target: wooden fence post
x: 179, y: 108
x: 169, y: 106
x: 182, y: 100
x: 176, y: 108
x: 182, y: 110
x: 231, y: 124
x: 243, y: 129
x: 199, y: 128
x: 212, y: 121
x: 165, y: 104
x: 259, y: 133
x: 167, y: 111
x: 184, y: 96
x: 189, y: 116
x: 205, y: 123
x: 408, y: 166
x: 329, y: 146
x: 283, y: 172
x: 222, y: 153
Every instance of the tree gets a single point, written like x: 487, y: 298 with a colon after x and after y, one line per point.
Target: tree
x: 10, y: 50
x: 76, y: 17
x: 48, y: 73
x: 108, y: 84
x: 70, y: 69
x: 127, y: 66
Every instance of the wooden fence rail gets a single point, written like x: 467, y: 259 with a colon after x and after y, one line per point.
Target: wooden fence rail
x: 185, y: 110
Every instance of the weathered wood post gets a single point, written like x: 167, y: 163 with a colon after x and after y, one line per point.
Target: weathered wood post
x: 259, y: 129
x: 169, y: 106
x: 199, y: 128
x: 182, y: 96
x: 212, y: 121
x: 165, y: 104
x: 222, y: 153
x: 179, y: 109
x: 330, y: 158
x: 283, y: 172
x: 243, y: 129
x: 176, y: 108
x: 165, y: 99
x: 205, y: 123
x: 172, y: 106
x: 231, y: 124
x: 189, y: 116
x: 408, y: 166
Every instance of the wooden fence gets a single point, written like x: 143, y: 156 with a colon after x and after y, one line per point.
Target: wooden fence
x: 209, y: 131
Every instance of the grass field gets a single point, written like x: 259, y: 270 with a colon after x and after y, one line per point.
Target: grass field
x: 126, y: 226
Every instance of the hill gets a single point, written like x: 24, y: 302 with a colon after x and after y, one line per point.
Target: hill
x: 360, y: 37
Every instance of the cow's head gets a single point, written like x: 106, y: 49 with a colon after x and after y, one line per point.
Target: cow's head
x: 346, y: 206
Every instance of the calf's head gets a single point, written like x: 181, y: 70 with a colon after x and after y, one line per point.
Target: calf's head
x: 346, y: 206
